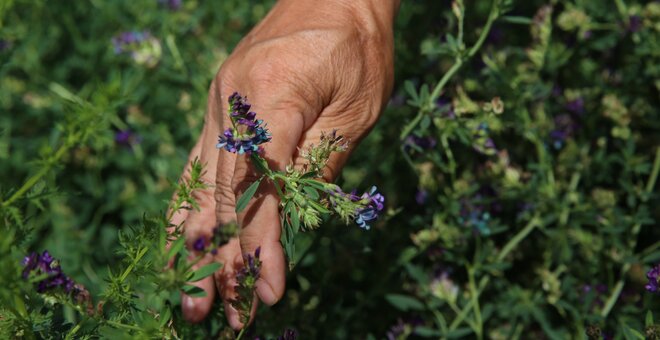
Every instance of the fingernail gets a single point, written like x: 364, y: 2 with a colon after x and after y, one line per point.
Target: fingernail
x: 189, y: 303
x: 233, y: 317
x: 266, y: 294
x: 188, y: 306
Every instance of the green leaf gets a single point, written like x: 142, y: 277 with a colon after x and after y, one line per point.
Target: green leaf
x: 517, y: 20
x: 649, y: 319
x: 176, y: 247
x: 247, y: 196
x: 260, y: 164
x: 404, y: 302
x: 309, y: 174
x: 311, y: 193
x: 631, y: 333
x: 205, y: 271
x: 459, y: 333
x: 165, y: 316
x: 315, y: 184
x: 426, y: 332
x: 295, y: 220
x: 410, y: 89
x: 193, y: 291
x: 319, y: 207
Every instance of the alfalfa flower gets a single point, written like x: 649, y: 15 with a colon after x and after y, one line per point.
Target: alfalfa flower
x: 247, y: 133
x: 142, y: 47
x: 246, y: 279
x: 654, y: 279
x: 361, y: 209
x: 36, y: 265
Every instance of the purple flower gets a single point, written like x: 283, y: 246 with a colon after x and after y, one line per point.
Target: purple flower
x: 171, y: 4
x: 127, y: 137
x: 247, y: 133
x: 4, y: 45
x: 634, y: 23
x: 654, y: 279
x: 575, y: 106
x: 200, y: 244
x: 445, y: 107
x: 123, y: 41
x: 141, y: 46
x: 421, y: 196
x: 375, y: 204
x: 397, y: 330
x: 421, y: 143
x: 565, y: 128
x: 45, y: 264
x: 252, y: 266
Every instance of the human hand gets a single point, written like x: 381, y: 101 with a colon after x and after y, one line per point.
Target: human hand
x: 309, y: 67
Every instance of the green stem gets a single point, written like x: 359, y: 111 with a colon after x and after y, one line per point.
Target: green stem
x: 466, y: 309
x: 73, y: 331
x: 36, y: 177
x: 460, y: 60
x: 474, y: 298
x: 650, y: 184
x: 129, y: 269
x: 654, y: 173
x: 513, y: 242
x: 450, y: 157
x: 621, y: 7
x: 240, y: 334
x: 510, y: 246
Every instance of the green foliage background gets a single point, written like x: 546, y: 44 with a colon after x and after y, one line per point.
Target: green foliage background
x: 586, y: 236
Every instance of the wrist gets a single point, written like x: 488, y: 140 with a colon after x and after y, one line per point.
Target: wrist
x: 374, y: 14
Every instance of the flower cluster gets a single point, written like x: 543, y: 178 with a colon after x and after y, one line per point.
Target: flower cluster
x: 361, y: 209
x: 246, y: 279
x: 247, y: 132
x: 654, y: 279
x: 317, y: 156
x: 37, y: 265
x: 143, y: 48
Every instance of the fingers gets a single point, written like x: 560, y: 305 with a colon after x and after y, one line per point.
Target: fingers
x: 199, y: 223
x: 260, y: 225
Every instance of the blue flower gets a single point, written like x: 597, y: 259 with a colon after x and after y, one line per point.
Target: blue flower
x: 374, y: 204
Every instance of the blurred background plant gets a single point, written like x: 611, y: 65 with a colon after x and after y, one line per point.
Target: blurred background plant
x: 522, y: 192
